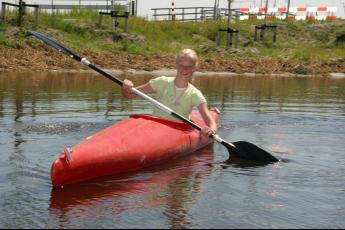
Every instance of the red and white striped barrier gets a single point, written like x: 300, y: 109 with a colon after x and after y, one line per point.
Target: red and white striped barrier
x: 300, y: 13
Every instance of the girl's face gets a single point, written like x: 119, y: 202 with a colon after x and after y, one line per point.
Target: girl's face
x: 185, y: 68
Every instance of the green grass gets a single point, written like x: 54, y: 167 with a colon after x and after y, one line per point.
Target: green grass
x: 79, y: 30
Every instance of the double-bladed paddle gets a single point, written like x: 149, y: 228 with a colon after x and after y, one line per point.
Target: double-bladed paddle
x: 241, y: 149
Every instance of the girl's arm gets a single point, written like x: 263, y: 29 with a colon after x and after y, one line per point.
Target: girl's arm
x: 211, y: 127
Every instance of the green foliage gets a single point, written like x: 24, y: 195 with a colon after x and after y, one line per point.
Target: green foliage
x: 10, y: 43
x: 11, y: 38
x: 78, y: 29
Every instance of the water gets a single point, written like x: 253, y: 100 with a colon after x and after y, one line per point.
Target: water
x: 299, y: 120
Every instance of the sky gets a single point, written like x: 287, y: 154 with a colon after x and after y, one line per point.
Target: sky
x: 144, y: 6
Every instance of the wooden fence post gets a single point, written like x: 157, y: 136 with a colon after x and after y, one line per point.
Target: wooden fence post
x: 274, y: 34
x: 3, y: 12
x: 113, y: 20
x: 36, y: 17
x: 203, y: 13
x: 21, y: 12
x: 231, y: 35
x: 236, y: 40
x: 228, y: 38
x: 126, y: 21
x: 262, y: 33
x: 218, y: 38
x: 263, y: 29
x: 133, y: 8
x: 100, y: 19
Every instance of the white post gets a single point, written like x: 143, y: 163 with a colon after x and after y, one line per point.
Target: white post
x: 173, y: 16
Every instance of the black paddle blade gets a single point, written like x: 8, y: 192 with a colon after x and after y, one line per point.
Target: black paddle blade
x: 54, y: 44
x: 249, y: 151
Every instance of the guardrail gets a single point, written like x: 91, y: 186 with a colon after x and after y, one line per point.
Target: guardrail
x: 188, y: 13
x: 52, y: 5
x: 204, y: 13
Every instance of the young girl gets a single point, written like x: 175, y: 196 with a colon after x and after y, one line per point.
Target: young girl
x: 177, y: 93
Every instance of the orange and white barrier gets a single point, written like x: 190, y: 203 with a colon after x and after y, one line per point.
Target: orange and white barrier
x: 299, y: 13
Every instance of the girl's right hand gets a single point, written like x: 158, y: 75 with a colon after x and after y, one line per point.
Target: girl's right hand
x: 127, y: 85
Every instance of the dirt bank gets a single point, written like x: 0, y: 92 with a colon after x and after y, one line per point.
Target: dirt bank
x: 44, y: 58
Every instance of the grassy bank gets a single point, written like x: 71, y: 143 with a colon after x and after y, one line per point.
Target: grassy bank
x: 302, y: 47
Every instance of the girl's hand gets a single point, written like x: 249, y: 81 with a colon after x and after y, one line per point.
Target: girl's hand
x: 207, y: 131
x: 127, y: 85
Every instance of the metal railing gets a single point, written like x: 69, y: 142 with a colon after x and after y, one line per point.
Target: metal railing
x: 51, y: 5
x: 189, y: 13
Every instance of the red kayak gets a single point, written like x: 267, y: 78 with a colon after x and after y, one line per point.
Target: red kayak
x: 132, y: 144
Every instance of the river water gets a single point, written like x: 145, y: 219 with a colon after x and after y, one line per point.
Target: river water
x: 301, y: 121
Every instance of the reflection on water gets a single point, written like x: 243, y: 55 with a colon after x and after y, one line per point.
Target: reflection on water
x: 241, y: 163
x: 261, y: 94
x: 299, y: 120
x: 171, y: 187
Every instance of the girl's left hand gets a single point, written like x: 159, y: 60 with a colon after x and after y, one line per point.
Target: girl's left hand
x: 207, y: 131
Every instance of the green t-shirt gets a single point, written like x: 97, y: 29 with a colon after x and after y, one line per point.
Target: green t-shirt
x: 180, y: 100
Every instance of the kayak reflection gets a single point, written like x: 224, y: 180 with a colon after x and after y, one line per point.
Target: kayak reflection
x: 171, y: 186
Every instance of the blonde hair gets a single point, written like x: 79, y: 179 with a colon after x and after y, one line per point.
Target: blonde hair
x: 188, y: 53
